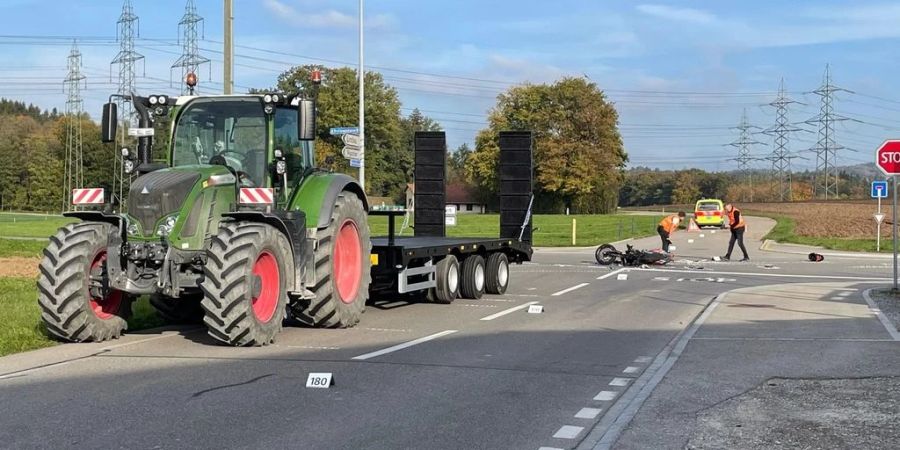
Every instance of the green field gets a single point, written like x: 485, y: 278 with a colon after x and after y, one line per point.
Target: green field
x: 784, y: 233
x: 550, y: 230
x: 20, y: 316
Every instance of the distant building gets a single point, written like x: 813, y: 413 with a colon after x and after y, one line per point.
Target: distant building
x: 458, y: 194
x: 463, y: 197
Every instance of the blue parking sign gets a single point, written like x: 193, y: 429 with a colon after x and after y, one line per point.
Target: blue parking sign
x: 879, y: 189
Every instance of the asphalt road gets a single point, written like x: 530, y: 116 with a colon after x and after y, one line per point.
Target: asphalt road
x: 478, y: 374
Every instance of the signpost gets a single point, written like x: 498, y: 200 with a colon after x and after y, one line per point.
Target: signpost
x: 879, y: 191
x: 887, y: 158
x: 352, y: 146
x: 450, y: 215
x: 340, y: 131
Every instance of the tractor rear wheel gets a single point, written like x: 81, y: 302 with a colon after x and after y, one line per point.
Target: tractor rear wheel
x: 245, y: 290
x: 343, y: 268
x: 77, y: 303
x: 185, y: 310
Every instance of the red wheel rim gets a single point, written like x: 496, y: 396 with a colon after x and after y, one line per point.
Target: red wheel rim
x: 104, y: 307
x: 348, y: 262
x: 264, y: 304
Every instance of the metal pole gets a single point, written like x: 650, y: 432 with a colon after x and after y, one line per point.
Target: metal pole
x: 229, y: 47
x: 894, y: 226
x: 362, y: 100
x: 878, y: 228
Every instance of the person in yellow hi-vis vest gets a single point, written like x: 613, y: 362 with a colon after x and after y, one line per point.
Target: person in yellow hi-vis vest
x: 667, y: 226
x: 737, y: 224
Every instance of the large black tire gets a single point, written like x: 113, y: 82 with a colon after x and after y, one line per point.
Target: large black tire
x: 343, y: 268
x: 245, y: 291
x: 472, y: 283
x: 185, y: 310
x: 447, y: 279
x: 604, y: 254
x: 76, y: 302
x: 496, y: 274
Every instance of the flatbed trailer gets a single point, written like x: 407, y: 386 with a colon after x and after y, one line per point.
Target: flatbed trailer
x: 450, y: 267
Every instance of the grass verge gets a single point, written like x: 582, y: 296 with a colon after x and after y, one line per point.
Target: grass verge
x: 20, y: 315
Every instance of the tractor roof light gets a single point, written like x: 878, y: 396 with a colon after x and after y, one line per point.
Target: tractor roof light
x: 154, y: 100
x: 316, y: 76
x: 280, y: 167
x: 191, y: 80
x: 267, y: 98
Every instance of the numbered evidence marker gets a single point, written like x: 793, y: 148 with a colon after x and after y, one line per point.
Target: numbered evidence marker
x: 535, y: 309
x: 322, y: 380
x: 622, y: 276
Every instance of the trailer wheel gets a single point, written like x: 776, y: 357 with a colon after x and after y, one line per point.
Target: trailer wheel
x: 77, y: 304
x: 343, y: 268
x: 447, y: 279
x: 185, y: 310
x: 472, y: 285
x: 496, y: 274
x: 245, y: 290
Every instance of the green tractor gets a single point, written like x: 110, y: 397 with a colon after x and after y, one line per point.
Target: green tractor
x: 237, y: 228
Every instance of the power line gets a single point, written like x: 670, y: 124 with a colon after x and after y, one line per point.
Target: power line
x: 743, y: 144
x: 827, y: 176
x: 780, y: 132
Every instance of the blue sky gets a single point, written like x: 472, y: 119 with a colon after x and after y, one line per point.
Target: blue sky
x: 680, y: 73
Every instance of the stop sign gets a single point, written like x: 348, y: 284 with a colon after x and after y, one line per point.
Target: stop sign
x: 887, y: 157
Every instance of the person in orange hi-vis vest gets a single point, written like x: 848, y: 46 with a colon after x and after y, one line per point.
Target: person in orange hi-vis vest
x: 736, y: 221
x: 667, y: 226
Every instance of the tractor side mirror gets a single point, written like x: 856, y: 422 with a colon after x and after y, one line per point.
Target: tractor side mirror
x: 109, y: 123
x: 306, y: 120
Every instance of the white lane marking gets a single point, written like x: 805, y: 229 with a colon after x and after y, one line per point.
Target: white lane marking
x: 623, y: 411
x: 568, y: 432
x: 891, y: 329
x: 605, y: 396
x: 631, y: 369
x: 845, y: 294
x: 507, y: 311
x: 619, y: 382
x: 614, y: 272
x: 392, y: 330
x: 549, y: 448
x: 404, y: 345
x: 776, y: 275
x: 565, y: 291
x: 644, y: 359
x: 588, y: 413
x: 661, y: 279
x: 532, y: 289
x: 837, y: 299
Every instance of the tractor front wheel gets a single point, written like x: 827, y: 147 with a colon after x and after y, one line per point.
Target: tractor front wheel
x: 74, y: 293
x: 343, y: 268
x: 245, y: 290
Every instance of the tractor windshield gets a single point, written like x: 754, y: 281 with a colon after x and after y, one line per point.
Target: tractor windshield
x: 225, y: 131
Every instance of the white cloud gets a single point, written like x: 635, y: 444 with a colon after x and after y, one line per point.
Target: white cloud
x: 324, y: 19
x: 677, y: 14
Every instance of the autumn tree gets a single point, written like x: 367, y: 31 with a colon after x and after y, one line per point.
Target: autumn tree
x: 578, y: 152
x: 389, y: 159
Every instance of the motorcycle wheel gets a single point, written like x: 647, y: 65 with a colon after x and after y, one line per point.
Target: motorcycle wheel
x: 605, y: 254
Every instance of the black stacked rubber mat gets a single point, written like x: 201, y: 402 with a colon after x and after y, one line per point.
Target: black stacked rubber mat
x: 516, y: 166
x: 431, y: 191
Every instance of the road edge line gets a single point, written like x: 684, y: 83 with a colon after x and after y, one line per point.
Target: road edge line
x: 888, y: 325
x: 608, y: 430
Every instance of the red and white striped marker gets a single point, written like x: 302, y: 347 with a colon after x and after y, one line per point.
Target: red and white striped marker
x: 88, y: 196
x: 257, y: 196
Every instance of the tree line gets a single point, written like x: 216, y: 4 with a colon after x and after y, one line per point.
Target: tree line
x: 579, y: 157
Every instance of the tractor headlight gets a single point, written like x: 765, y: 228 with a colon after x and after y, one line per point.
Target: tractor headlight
x: 166, y: 227
x: 281, y: 167
x: 269, y: 109
x: 132, y: 229
x: 128, y: 166
x: 276, y: 98
x: 163, y: 99
x: 153, y: 100
x: 267, y: 98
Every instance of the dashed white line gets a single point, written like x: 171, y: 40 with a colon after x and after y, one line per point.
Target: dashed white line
x: 644, y: 359
x: 631, y: 369
x: 605, y: 396
x: 614, y: 272
x: 588, y: 413
x: 619, y: 382
x: 507, y: 311
x: 568, y: 432
x: 549, y: 448
x: 404, y: 345
x: 565, y: 291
